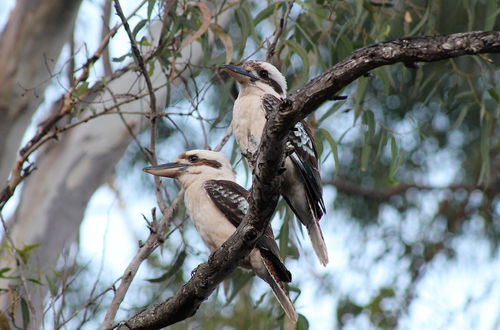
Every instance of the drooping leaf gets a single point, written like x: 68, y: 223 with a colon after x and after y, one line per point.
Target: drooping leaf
x: 139, y: 27
x: 3, y: 271
x: 333, y: 147
x: 302, y: 323
x: 225, y: 39
x: 394, y: 160
x: 268, y: 11
x: 240, y: 279
x: 486, y: 129
x: 176, y: 266
x: 25, y: 311
x: 296, y: 48
x: 206, y: 17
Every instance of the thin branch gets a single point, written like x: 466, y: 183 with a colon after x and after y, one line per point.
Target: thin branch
x: 106, y: 60
x: 279, y: 31
x: 69, y: 101
x: 266, y: 182
x: 152, y: 101
x: 155, y: 237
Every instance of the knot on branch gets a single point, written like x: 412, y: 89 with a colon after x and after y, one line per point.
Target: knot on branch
x: 273, y: 104
x: 250, y: 233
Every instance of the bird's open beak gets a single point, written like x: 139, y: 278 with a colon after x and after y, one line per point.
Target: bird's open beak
x: 241, y: 75
x: 170, y: 170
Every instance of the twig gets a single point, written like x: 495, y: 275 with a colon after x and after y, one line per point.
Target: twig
x: 279, y: 31
x: 21, y: 267
x: 106, y: 15
x: 152, y: 101
x: 145, y: 251
x: 19, y: 173
x: 89, y: 303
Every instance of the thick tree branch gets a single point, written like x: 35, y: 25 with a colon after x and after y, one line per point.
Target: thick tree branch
x: 406, y: 50
x: 266, y: 182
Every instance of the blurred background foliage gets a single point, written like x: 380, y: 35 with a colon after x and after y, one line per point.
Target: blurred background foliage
x: 410, y: 163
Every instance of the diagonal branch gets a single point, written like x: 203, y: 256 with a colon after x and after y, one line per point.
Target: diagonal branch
x: 266, y: 182
x: 406, y: 50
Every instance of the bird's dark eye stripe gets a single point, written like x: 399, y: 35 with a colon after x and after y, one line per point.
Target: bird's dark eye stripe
x: 209, y: 162
x: 277, y: 88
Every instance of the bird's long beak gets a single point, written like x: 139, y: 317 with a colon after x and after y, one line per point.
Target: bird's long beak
x: 170, y: 170
x: 241, y: 75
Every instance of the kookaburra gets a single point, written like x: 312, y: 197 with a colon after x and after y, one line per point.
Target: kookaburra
x: 217, y: 205
x: 301, y: 186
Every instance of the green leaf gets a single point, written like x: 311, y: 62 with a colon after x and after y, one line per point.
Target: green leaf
x: 25, y: 311
x: 151, y: 6
x: 25, y: 251
x: 240, y: 278
x: 492, y: 11
x: 81, y: 90
x: 336, y: 106
x: 394, y: 160
x: 284, y: 238
x: 421, y: 21
x: 494, y: 95
x: 333, y: 147
x: 486, y: 130
x: 302, y: 323
x: 359, y: 97
x: 244, y: 21
x: 121, y: 58
x: 382, y: 142
x: 369, y: 120
x: 179, y: 261
x: 301, y: 52
x: 365, y: 154
x: 52, y: 285
x: 3, y: 271
x: 34, y: 280
x: 268, y: 11
x: 139, y: 27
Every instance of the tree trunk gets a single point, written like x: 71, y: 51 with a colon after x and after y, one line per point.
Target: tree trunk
x: 29, y: 47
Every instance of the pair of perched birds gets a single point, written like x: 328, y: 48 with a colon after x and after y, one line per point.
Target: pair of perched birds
x: 217, y: 204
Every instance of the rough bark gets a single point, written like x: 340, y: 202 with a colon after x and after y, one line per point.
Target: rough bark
x: 29, y: 47
x: 304, y: 101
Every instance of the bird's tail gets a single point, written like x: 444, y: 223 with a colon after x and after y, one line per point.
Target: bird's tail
x: 318, y: 242
x: 279, y: 291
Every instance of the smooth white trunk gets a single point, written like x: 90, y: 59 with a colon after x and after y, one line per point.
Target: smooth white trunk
x: 29, y: 47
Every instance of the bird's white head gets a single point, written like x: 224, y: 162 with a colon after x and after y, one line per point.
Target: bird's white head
x: 258, y: 76
x: 195, y: 166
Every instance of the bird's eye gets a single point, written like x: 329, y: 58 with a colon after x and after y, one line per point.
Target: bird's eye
x: 193, y: 158
x: 264, y: 74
